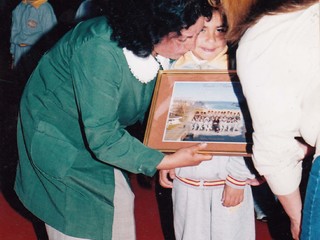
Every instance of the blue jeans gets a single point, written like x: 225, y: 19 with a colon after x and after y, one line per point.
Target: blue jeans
x: 311, y: 209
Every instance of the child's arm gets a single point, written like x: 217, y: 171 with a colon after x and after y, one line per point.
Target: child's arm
x: 238, y: 175
x: 165, y: 178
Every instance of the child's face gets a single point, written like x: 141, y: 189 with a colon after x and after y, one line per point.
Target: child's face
x: 211, y: 40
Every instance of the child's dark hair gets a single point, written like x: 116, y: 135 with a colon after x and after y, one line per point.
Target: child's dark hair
x: 140, y: 24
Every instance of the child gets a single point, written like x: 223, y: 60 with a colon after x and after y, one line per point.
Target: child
x: 31, y: 19
x: 211, y: 48
x: 225, y: 209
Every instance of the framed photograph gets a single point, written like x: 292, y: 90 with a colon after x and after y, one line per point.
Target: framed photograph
x: 193, y: 106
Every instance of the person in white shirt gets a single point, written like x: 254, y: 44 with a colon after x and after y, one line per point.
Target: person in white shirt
x: 278, y: 63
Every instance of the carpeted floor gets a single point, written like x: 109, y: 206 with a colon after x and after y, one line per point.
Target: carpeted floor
x: 15, y: 223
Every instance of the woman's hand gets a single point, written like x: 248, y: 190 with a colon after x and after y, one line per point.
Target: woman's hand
x: 184, y: 157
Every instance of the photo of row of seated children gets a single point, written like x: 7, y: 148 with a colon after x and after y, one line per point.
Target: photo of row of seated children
x: 217, y: 121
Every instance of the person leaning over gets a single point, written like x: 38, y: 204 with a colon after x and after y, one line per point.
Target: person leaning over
x: 278, y: 66
x: 74, y: 151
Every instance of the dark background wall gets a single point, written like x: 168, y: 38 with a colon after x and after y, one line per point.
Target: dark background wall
x: 11, y: 87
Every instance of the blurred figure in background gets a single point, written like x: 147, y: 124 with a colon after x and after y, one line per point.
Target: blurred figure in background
x: 31, y: 20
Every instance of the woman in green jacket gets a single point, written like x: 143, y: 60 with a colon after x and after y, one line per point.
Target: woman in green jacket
x: 74, y: 151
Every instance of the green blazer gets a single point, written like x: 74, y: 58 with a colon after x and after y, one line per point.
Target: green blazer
x: 71, y: 132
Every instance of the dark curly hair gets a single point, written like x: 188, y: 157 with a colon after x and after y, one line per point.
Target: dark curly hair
x: 140, y: 24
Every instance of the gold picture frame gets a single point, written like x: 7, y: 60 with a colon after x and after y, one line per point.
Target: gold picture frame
x: 192, y: 106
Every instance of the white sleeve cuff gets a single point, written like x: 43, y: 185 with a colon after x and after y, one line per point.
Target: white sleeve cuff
x: 286, y: 181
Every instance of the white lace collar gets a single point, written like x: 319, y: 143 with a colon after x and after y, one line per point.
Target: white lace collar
x: 145, y: 69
